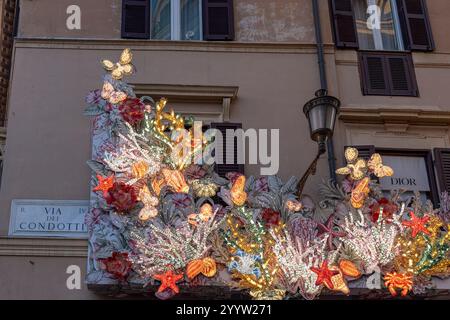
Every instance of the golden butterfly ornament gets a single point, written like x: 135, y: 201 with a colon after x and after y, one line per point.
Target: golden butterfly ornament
x: 356, y: 167
x: 375, y: 165
x: 121, y: 68
x: 206, y: 212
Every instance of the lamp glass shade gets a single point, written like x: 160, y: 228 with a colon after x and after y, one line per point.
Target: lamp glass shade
x: 321, y: 113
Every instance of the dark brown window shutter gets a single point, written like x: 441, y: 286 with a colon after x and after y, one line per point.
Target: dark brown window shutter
x: 442, y: 157
x: 387, y: 74
x: 223, y: 169
x: 136, y: 19
x: 364, y: 152
x: 415, y: 23
x: 345, y: 35
x: 218, y: 20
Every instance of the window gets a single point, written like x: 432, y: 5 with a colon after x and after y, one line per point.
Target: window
x: 377, y: 25
x: 178, y: 19
x: 392, y: 25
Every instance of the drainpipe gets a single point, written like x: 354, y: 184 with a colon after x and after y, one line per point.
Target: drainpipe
x: 323, y: 83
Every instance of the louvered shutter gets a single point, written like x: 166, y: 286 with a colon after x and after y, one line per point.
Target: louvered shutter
x: 343, y: 20
x: 385, y: 73
x: 218, y: 20
x: 229, y: 151
x: 136, y: 19
x: 415, y: 23
x: 374, y: 78
x: 442, y: 157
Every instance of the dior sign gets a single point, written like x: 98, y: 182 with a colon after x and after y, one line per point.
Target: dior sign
x: 48, y: 218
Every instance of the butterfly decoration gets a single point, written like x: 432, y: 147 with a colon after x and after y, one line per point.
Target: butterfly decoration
x: 121, y: 68
x: 175, y: 180
x: 356, y: 167
x: 206, y: 212
x: 111, y: 95
x: 360, y: 193
x: 293, y: 205
x: 375, y: 165
x: 238, y: 195
x: 150, y: 202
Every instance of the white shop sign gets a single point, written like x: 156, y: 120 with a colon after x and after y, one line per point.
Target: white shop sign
x: 48, y: 218
x: 410, y: 173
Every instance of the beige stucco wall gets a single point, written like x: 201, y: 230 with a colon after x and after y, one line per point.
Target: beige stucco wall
x: 255, y: 20
x: 273, y: 63
x: 40, y: 278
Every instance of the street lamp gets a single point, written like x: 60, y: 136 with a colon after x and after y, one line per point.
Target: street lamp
x: 321, y: 113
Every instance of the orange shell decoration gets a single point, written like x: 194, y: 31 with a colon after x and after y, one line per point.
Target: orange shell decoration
x: 360, y: 193
x: 157, y: 184
x: 238, y: 195
x: 139, y: 169
x: 175, y: 179
x: 338, y: 282
x: 209, y: 267
x: 206, y: 266
x: 349, y: 269
x: 194, y: 268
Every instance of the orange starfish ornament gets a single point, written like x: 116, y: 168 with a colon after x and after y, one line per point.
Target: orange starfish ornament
x: 417, y: 224
x: 168, y: 280
x: 104, y: 184
x: 324, y: 275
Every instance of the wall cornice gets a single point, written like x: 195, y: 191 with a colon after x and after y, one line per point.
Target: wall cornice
x: 400, y: 116
x: 158, y: 45
x: 43, y: 247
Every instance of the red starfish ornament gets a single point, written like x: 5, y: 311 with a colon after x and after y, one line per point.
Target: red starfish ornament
x: 104, y: 184
x: 328, y: 228
x: 417, y: 224
x: 324, y: 275
x: 168, y: 280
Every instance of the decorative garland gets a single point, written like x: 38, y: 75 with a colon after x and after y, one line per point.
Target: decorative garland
x: 156, y: 221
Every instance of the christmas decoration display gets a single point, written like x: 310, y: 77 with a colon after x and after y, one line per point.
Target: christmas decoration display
x: 159, y: 219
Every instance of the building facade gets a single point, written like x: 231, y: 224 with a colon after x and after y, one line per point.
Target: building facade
x: 251, y: 62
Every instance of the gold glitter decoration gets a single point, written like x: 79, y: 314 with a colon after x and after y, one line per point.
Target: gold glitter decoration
x: 121, y: 68
x: 356, y: 167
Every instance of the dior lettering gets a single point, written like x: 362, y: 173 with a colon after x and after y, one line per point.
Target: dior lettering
x: 403, y: 182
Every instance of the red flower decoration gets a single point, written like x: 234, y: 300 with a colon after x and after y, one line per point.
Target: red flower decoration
x: 271, y: 217
x: 118, y: 265
x: 122, y: 197
x: 132, y: 110
x: 389, y: 209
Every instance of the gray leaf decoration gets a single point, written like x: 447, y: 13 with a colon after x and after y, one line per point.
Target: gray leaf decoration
x: 97, y: 167
x: 93, y: 110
